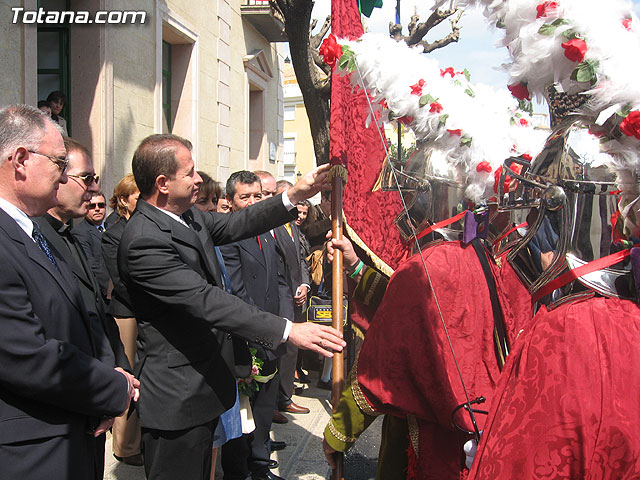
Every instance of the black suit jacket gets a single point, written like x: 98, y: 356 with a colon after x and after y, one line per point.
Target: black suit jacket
x: 90, y: 238
x: 256, y: 278
x: 172, y: 277
x: 118, y: 306
x: 57, y: 373
x: 295, y: 266
x: 51, y: 228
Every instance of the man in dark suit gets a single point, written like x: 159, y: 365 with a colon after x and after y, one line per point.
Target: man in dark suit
x: 73, y: 198
x: 256, y: 278
x: 167, y: 263
x: 55, y: 225
x: 58, y: 385
x: 297, y: 275
x: 89, y: 234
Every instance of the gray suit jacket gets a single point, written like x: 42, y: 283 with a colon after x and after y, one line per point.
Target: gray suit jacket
x: 173, y: 280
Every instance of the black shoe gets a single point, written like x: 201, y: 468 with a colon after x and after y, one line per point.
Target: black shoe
x: 324, y: 385
x: 273, y: 464
x: 302, y: 377
x: 266, y: 476
x: 276, y: 445
x: 134, y: 460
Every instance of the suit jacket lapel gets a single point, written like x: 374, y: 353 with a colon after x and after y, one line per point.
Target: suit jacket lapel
x: 63, y: 277
x: 194, y: 236
x: 251, y: 246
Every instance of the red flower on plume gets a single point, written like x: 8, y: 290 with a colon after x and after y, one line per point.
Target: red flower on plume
x: 435, y: 108
x: 483, y: 167
x: 448, y: 70
x: 626, y: 23
x: 417, y: 88
x: 575, y: 49
x: 330, y: 50
x: 520, y: 91
x: 524, y: 122
x: 406, y: 120
x: 457, y: 132
x: 527, y: 157
x: 545, y: 8
x: 630, y: 126
x: 383, y: 104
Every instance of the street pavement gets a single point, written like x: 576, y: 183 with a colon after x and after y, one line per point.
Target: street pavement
x: 303, y: 458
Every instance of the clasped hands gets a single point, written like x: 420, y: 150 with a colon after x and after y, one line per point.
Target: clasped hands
x: 133, y: 392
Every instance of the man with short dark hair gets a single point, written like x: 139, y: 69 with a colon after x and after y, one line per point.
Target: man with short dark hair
x: 256, y: 278
x: 167, y: 263
x: 89, y: 234
x: 59, y: 389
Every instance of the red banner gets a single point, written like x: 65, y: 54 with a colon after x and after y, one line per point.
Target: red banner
x: 368, y: 214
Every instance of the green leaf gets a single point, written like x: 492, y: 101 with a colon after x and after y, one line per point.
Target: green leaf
x: 626, y: 110
x: 586, y: 71
x: 423, y: 101
x: 500, y: 23
x: 466, y: 140
x: 512, y: 121
x: 570, y: 34
x: 443, y: 120
x: 547, y: 29
x: 469, y: 92
x: 467, y: 75
x: 457, y: 83
x: 526, y: 106
x: 560, y: 21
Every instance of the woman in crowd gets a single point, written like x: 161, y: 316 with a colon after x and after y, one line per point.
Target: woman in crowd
x: 126, y: 431
x: 57, y: 100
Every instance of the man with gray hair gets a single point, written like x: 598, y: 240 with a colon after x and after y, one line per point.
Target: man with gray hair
x: 58, y: 386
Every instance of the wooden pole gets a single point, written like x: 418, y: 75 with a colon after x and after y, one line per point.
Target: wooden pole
x: 337, y: 377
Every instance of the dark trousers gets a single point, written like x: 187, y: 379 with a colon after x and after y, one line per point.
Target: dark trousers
x: 183, y: 454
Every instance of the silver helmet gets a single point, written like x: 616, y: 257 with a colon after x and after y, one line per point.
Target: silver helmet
x: 431, y: 190
x: 566, y: 201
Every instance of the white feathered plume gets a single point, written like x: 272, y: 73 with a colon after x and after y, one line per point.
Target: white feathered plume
x: 473, y: 127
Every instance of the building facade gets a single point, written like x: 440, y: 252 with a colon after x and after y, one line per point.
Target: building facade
x: 208, y: 70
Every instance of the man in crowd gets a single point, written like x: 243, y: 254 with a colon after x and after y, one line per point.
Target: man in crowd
x: 167, y: 263
x: 297, y: 275
x: 256, y: 278
x: 89, y: 235
x: 73, y: 198
x: 59, y: 389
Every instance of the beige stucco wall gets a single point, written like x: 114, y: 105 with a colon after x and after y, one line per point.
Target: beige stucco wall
x: 115, y: 84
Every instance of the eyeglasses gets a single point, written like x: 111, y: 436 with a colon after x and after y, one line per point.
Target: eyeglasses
x: 88, y: 179
x: 97, y: 205
x: 61, y: 163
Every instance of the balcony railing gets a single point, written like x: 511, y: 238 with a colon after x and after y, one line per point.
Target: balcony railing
x: 265, y: 18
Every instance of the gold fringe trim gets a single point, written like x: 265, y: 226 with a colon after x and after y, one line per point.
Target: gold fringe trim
x: 377, y: 261
x: 378, y: 185
x: 338, y: 171
x: 414, y: 435
x: 372, y: 289
x: 357, y: 331
x: 340, y: 436
x: 358, y: 396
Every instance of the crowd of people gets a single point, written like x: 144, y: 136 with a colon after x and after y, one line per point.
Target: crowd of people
x: 157, y: 321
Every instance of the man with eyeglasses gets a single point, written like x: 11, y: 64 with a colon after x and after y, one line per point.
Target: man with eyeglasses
x: 56, y: 226
x: 58, y: 382
x: 89, y: 234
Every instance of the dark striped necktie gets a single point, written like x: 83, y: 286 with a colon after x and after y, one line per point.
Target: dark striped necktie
x: 43, y: 244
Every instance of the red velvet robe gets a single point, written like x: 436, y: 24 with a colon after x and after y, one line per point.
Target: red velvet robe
x: 568, y: 406
x: 406, y: 367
